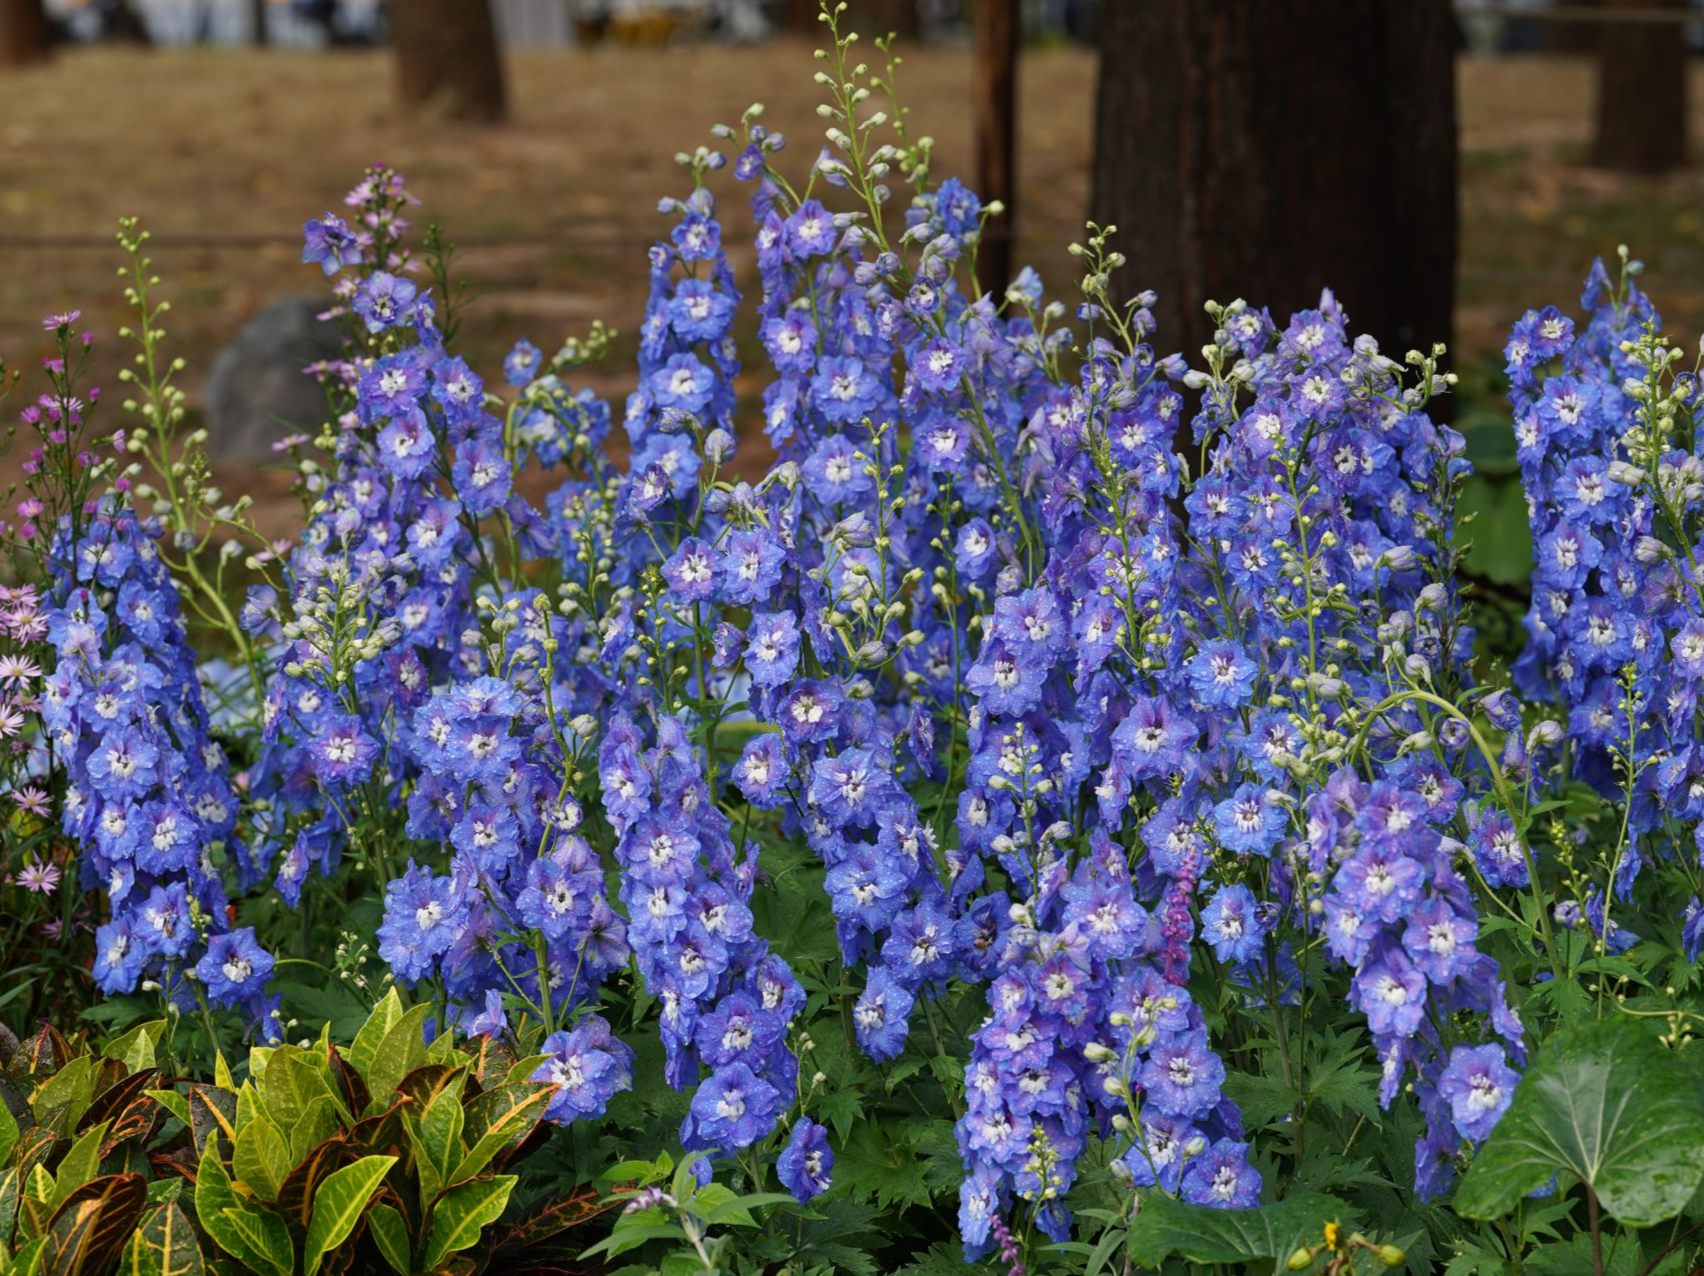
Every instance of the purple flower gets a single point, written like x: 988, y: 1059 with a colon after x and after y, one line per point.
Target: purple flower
x: 422, y: 915
x: 234, y: 967
x: 938, y: 366
x: 734, y: 1108
x: 1440, y: 940
x: 851, y: 788
x: 1478, y: 1085
x: 1391, y: 992
x: 881, y: 1019
x: 843, y: 389
x: 589, y: 1065
x: 806, y: 1165
x: 328, y: 242
x: 1231, y: 925
x: 1182, y: 1075
x: 384, y: 301
x: 522, y: 363
x: 683, y: 383
x: 1222, y: 1178
x: 1221, y: 675
x: 1248, y: 821
x: 772, y: 648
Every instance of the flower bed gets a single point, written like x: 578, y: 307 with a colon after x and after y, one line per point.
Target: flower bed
x: 1055, y: 818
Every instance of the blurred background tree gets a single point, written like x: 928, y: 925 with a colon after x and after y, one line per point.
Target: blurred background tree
x: 1261, y: 150
x: 26, y: 36
x: 447, y: 59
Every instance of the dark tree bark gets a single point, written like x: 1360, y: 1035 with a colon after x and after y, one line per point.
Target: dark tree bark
x: 997, y: 37
x: 1641, y: 91
x: 257, y: 23
x: 447, y: 59
x: 25, y: 34
x: 1266, y: 151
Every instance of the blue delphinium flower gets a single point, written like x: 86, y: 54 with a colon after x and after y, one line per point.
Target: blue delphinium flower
x: 806, y: 1166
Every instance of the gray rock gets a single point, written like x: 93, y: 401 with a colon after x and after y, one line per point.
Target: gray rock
x: 256, y: 392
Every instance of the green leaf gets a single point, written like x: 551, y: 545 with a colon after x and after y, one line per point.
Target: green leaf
x: 339, y: 1203
x: 390, y: 1234
x: 262, y: 1157
x: 213, y: 1198
x: 81, y: 1163
x: 135, y: 1049
x: 1607, y: 1103
x: 501, y: 1118
x: 266, y: 1236
x: 462, y: 1213
x: 164, y: 1245
x: 8, y: 1132
x: 71, y: 1088
x: 172, y: 1102
x: 366, y: 1044
x: 1165, y: 1227
x: 290, y: 1086
x: 401, y: 1052
x: 317, y: 1125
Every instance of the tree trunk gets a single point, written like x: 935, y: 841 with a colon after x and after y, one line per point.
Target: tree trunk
x: 1641, y: 91
x: 447, y: 59
x: 257, y: 23
x: 997, y: 38
x: 25, y: 36
x: 1266, y: 151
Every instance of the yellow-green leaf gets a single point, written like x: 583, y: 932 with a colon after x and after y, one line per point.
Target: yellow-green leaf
x: 8, y: 1132
x: 339, y: 1203
x: 402, y: 1050
x: 317, y: 1125
x: 81, y: 1163
x: 504, y: 1117
x: 164, y: 1245
x: 262, y: 1157
x: 266, y: 1236
x: 360, y: 1053
x: 290, y: 1085
x: 222, y: 1072
x: 213, y: 1197
x: 136, y: 1048
x: 172, y: 1102
x: 440, y: 1131
x: 462, y: 1213
x: 72, y: 1088
x: 390, y: 1234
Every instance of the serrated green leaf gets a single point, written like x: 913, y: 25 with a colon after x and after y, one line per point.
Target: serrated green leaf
x: 1608, y: 1104
x: 462, y: 1213
x: 339, y: 1203
x: 262, y: 1157
x: 164, y: 1245
x: 1164, y: 1228
x: 390, y: 1234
